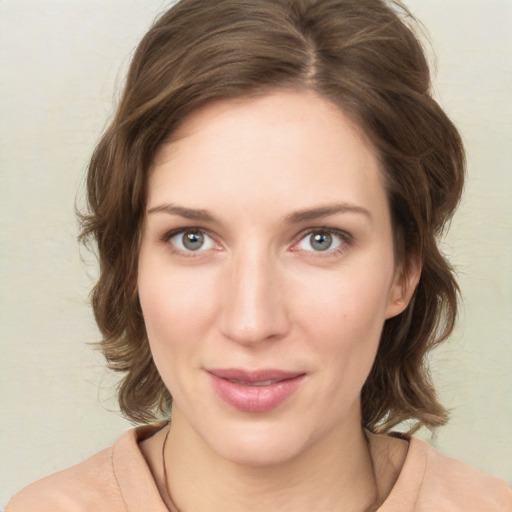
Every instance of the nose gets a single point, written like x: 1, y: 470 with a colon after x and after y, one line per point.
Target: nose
x: 254, y: 308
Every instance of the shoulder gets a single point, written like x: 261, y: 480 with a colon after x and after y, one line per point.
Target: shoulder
x: 109, y: 481
x: 425, y: 480
x: 79, y: 488
x: 452, y: 485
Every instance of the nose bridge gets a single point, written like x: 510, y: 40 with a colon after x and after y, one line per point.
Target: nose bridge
x: 254, y: 308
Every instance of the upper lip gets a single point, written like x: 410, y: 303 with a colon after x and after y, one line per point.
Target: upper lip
x: 253, y: 376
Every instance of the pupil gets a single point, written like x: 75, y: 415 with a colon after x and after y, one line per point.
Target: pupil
x: 193, y: 240
x: 321, y: 241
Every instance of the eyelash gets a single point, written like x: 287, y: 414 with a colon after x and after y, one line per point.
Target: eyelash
x: 346, y: 241
x: 184, y: 254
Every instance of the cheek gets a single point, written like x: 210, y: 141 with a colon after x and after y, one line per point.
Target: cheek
x: 343, y: 323
x: 173, y: 301
x: 351, y: 303
x: 177, y: 311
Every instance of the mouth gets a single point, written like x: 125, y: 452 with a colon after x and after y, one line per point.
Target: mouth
x: 255, y: 390
x: 262, y: 383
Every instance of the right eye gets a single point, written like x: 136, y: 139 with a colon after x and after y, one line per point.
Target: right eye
x: 191, y: 240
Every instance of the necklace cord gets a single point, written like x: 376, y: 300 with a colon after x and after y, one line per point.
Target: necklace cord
x: 173, y: 508
x: 373, y: 507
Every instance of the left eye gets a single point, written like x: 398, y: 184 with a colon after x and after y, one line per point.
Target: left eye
x: 320, y: 240
x: 192, y: 240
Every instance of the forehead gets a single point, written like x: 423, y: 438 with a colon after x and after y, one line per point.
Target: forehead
x: 295, y: 146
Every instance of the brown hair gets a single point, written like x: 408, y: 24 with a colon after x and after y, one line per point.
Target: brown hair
x: 360, y: 54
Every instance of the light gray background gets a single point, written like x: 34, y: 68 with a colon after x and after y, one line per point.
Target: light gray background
x: 59, y: 70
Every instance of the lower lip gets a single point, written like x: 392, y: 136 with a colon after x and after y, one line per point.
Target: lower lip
x: 255, y: 398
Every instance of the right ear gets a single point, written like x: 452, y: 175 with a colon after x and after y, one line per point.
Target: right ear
x: 404, y: 284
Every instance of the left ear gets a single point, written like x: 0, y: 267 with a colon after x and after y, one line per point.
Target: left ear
x: 404, y: 283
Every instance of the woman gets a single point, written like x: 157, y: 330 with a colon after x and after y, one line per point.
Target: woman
x: 266, y: 205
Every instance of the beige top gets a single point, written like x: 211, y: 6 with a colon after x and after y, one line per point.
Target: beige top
x: 118, y: 479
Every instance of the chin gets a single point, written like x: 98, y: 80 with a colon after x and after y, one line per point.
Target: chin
x: 260, y: 445
x: 262, y: 454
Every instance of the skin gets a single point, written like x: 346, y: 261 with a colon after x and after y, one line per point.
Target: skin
x: 258, y: 295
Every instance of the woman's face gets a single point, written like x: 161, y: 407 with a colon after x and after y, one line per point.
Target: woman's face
x: 266, y: 273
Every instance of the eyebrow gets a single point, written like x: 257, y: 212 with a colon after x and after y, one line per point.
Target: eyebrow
x: 298, y: 217
x: 187, y: 213
x: 325, y: 211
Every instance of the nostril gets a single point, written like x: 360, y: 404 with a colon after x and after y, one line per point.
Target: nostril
x: 252, y: 321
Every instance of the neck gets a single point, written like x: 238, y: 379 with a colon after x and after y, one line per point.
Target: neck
x: 336, y: 473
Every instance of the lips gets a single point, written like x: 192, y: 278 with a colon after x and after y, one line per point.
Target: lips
x: 255, y: 390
